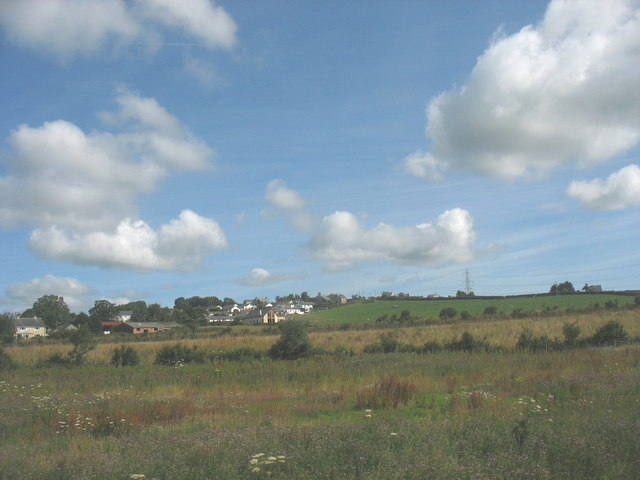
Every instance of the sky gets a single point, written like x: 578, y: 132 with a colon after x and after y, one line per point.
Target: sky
x: 155, y: 149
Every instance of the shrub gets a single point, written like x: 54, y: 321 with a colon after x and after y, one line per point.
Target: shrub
x: 388, y: 392
x: 612, y: 333
x: 178, y: 355
x: 448, y: 312
x: 432, y: 346
x: 6, y: 363
x: 467, y: 344
x: 571, y: 332
x: 490, y: 310
x: 124, y: 356
x: 527, y: 341
x: 293, y: 342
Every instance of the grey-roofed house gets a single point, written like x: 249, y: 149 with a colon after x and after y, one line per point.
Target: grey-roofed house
x: 29, y: 327
x: 144, y: 327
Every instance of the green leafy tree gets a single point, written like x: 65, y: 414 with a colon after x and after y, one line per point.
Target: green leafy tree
x: 293, y: 342
x: 82, y: 341
x: 93, y: 324
x: 52, y: 309
x: 561, y: 288
x: 7, y: 328
x: 103, y: 311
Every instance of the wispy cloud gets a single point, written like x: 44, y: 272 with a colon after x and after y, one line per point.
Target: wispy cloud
x: 22, y: 295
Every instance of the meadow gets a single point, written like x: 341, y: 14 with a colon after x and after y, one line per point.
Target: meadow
x: 365, y: 312
x: 340, y: 414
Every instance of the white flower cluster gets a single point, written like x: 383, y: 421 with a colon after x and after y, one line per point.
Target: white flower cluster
x: 261, y: 462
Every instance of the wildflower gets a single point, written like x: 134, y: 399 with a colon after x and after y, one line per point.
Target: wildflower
x: 258, y: 455
x: 255, y: 469
x: 394, y: 434
x: 136, y: 476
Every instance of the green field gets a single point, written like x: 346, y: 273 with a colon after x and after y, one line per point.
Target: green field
x: 363, y: 312
x: 340, y: 414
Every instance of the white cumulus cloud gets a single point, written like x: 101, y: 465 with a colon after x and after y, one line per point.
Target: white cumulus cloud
x: 78, y: 189
x: 343, y: 242
x: 563, y: 92
x: 621, y: 189
x: 284, y: 200
x: 72, y: 28
x: 179, y: 245
x: 61, y: 176
x: 24, y: 294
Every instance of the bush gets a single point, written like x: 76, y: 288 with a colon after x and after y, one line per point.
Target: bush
x: 612, y: 333
x: 389, y: 392
x: 388, y: 344
x: 124, y: 356
x: 293, y: 342
x: 6, y: 363
x: 467, y: 344
x: 527, y: 341
x: 432, y: 347
x: 448, y: 312
x: 178, y: 355
x: 490, y: 310
x: 571, y: 332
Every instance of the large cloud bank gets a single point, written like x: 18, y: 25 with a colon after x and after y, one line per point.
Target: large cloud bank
x: 79, y: 189
x: 72, y: 28
x: 563, y: 92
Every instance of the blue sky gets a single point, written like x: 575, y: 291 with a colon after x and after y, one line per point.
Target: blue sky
x: 154, y: 149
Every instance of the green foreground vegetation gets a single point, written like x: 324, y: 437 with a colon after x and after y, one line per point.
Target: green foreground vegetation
x: 247, y: 404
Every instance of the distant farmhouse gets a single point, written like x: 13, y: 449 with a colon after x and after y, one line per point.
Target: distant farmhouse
x: 29, y: 327
x: 262, y: 316
x: 137, y: 328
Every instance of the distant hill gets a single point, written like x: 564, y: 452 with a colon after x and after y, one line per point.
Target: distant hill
x: 369, y: 311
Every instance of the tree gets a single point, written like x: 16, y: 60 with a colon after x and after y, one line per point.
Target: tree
x: 561, y: 288
x: 82, y: 342
x: 103, y: 311
x: 93, y: 324
x: 7, y: 328
x: 52, y: 310
x: 293, y: 342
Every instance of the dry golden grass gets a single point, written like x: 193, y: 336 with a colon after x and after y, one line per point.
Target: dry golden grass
x: 498, y: 332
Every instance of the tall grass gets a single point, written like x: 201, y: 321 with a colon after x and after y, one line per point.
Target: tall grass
x: 569, y: 414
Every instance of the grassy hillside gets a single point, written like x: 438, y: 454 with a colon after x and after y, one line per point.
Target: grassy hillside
x: 430, y: 308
